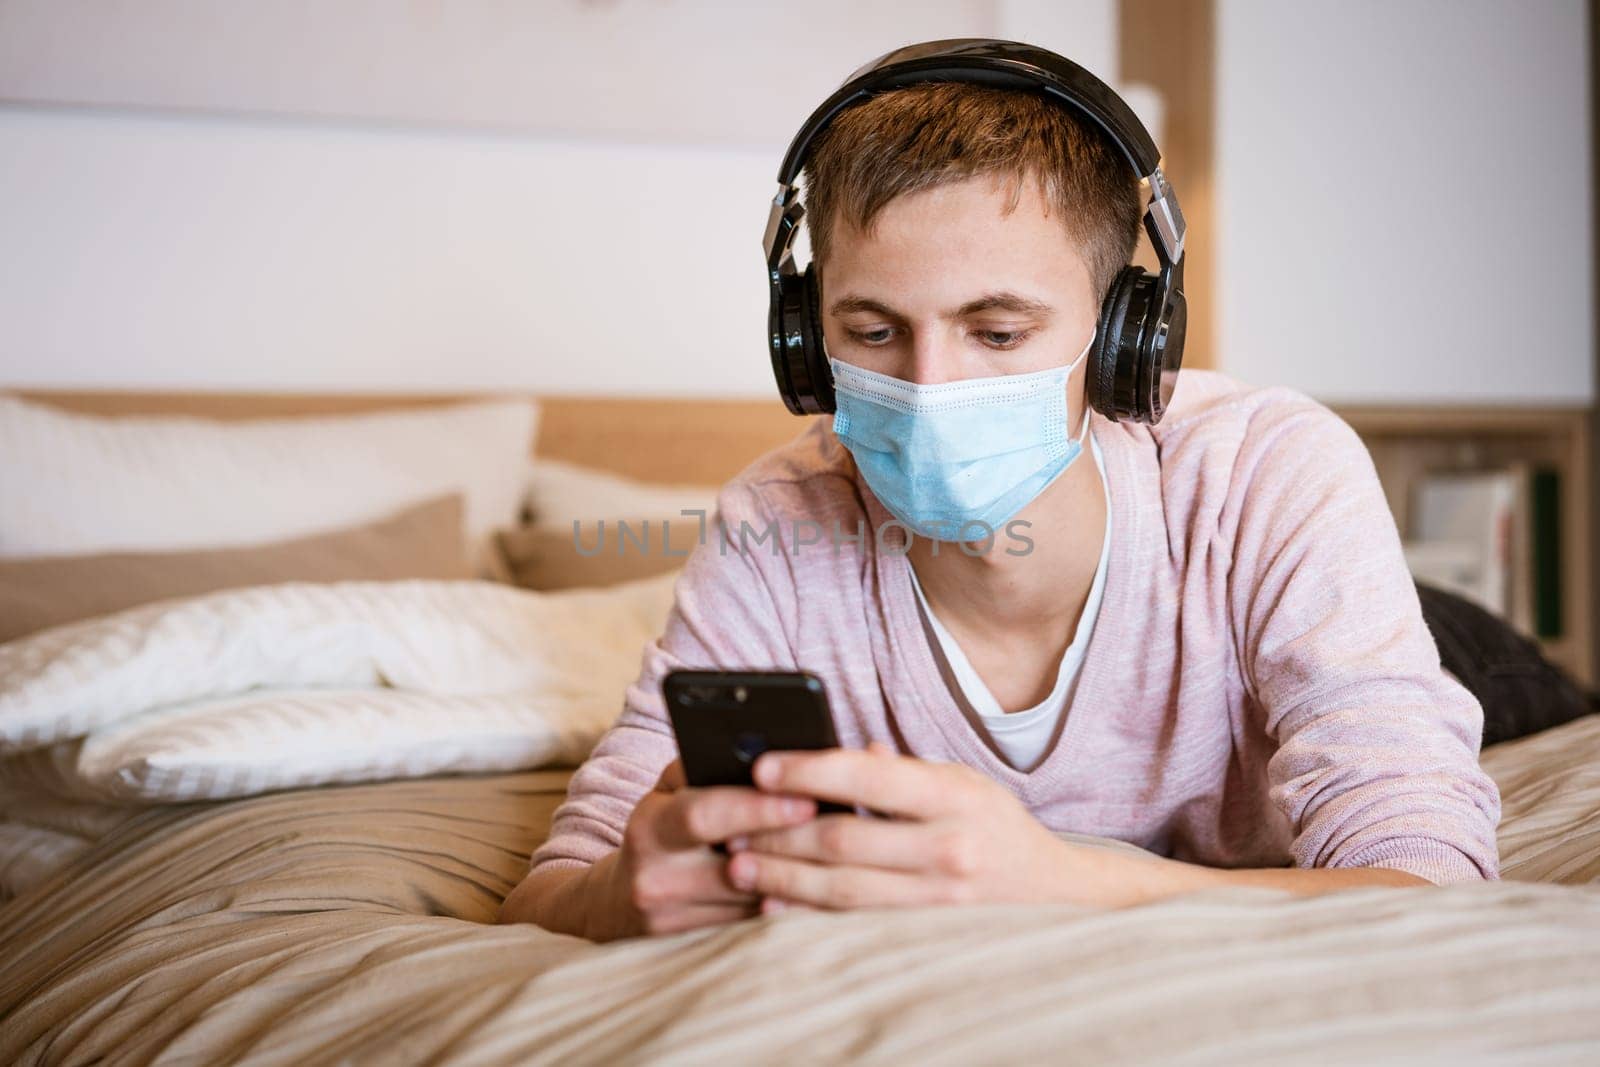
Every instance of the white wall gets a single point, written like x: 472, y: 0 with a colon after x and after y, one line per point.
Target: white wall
x: 1403, y: 191
x: 222, y: 253
x: 426, y: 228
x: 709, y: 71
x: 1405, y: 197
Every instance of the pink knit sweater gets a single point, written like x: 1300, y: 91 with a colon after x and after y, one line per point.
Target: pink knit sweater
x: 1260, y: 689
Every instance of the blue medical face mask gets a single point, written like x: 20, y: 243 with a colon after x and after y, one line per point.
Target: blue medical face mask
x: 956, y: 461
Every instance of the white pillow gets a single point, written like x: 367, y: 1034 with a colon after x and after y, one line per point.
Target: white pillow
x: 303, y: 684
x: 294, y: 738
x: 78, y: 484
x: 561, y: 492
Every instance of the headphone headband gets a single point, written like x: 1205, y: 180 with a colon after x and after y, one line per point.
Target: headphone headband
x: 979, y: 61
x: 1002, y: 65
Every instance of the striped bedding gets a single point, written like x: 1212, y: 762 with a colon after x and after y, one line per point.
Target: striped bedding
x: 355, y: 924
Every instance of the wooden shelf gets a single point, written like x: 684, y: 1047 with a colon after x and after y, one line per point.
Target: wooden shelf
x: 1407, y: 442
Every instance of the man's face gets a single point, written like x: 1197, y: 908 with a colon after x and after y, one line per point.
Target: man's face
x: 947, y: 286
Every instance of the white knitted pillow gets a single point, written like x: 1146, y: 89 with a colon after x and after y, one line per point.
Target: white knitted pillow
x: 301, y: 684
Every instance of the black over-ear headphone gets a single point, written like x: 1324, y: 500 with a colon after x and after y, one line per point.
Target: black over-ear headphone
x: 1138, y: 345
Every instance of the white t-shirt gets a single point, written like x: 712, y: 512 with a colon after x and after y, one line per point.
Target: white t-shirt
x: 1024, y: 737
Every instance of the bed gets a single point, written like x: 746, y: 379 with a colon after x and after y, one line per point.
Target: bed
x: 354, y: 924
x: 218, y: 910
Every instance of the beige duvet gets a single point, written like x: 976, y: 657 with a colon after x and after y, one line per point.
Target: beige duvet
x: 354, y: 924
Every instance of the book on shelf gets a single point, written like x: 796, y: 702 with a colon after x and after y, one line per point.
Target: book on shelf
x: 1491, y: 536
x: 1546, y: 512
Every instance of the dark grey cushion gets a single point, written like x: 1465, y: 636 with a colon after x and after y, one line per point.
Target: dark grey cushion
x: 1521, y: 691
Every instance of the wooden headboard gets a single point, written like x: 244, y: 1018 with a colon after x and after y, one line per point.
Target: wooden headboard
x: 655, y: 439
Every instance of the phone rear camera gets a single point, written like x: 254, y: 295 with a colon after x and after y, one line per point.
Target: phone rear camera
x: 748, y: 746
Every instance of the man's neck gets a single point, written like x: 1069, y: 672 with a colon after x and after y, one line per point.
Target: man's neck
x: 996, y: 596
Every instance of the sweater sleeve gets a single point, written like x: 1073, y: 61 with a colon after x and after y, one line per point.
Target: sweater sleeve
x: 724, y: 616
x: 1376, y: 759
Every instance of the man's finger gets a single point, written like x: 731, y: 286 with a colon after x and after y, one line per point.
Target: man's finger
x: 834, y: 888
x: 691, y: 877
x: 892, y: 784
x: 850, y: 840
x: 697, y: 817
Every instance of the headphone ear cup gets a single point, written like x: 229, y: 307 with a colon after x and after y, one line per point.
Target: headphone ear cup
x: 1107, y: 368
x: 1163, y: 353
x: 785, y: 325
x: 799, y: 360
x: 819, y: 374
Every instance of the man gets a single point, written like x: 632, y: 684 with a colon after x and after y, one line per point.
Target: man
x: 1207, y: 646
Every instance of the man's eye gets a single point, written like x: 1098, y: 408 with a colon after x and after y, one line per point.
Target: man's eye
x: 1003, y: 338
x: 881, y: 336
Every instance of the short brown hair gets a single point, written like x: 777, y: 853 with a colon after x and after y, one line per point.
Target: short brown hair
x: 933, y: 134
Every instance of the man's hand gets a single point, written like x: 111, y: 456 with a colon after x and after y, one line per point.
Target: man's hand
x: 959, y: 837
x: 666, y: 877
x: 955, y: 837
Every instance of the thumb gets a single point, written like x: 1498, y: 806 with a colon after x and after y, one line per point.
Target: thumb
x: 672, y: 778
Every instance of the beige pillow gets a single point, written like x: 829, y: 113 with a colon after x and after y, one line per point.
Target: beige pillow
x: 544, y: 555
x: 560, y: 493
x: 421, y: 541
x: 546, y: 558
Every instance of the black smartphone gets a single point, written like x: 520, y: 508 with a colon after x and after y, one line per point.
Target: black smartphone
x: 725, y: 719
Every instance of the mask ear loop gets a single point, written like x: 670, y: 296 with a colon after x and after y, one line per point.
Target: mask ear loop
x: 1083, y: 427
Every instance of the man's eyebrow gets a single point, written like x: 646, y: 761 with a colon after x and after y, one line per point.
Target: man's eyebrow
x: 1003, y: 301
x: 997, y: 301
x: 845, y: 305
